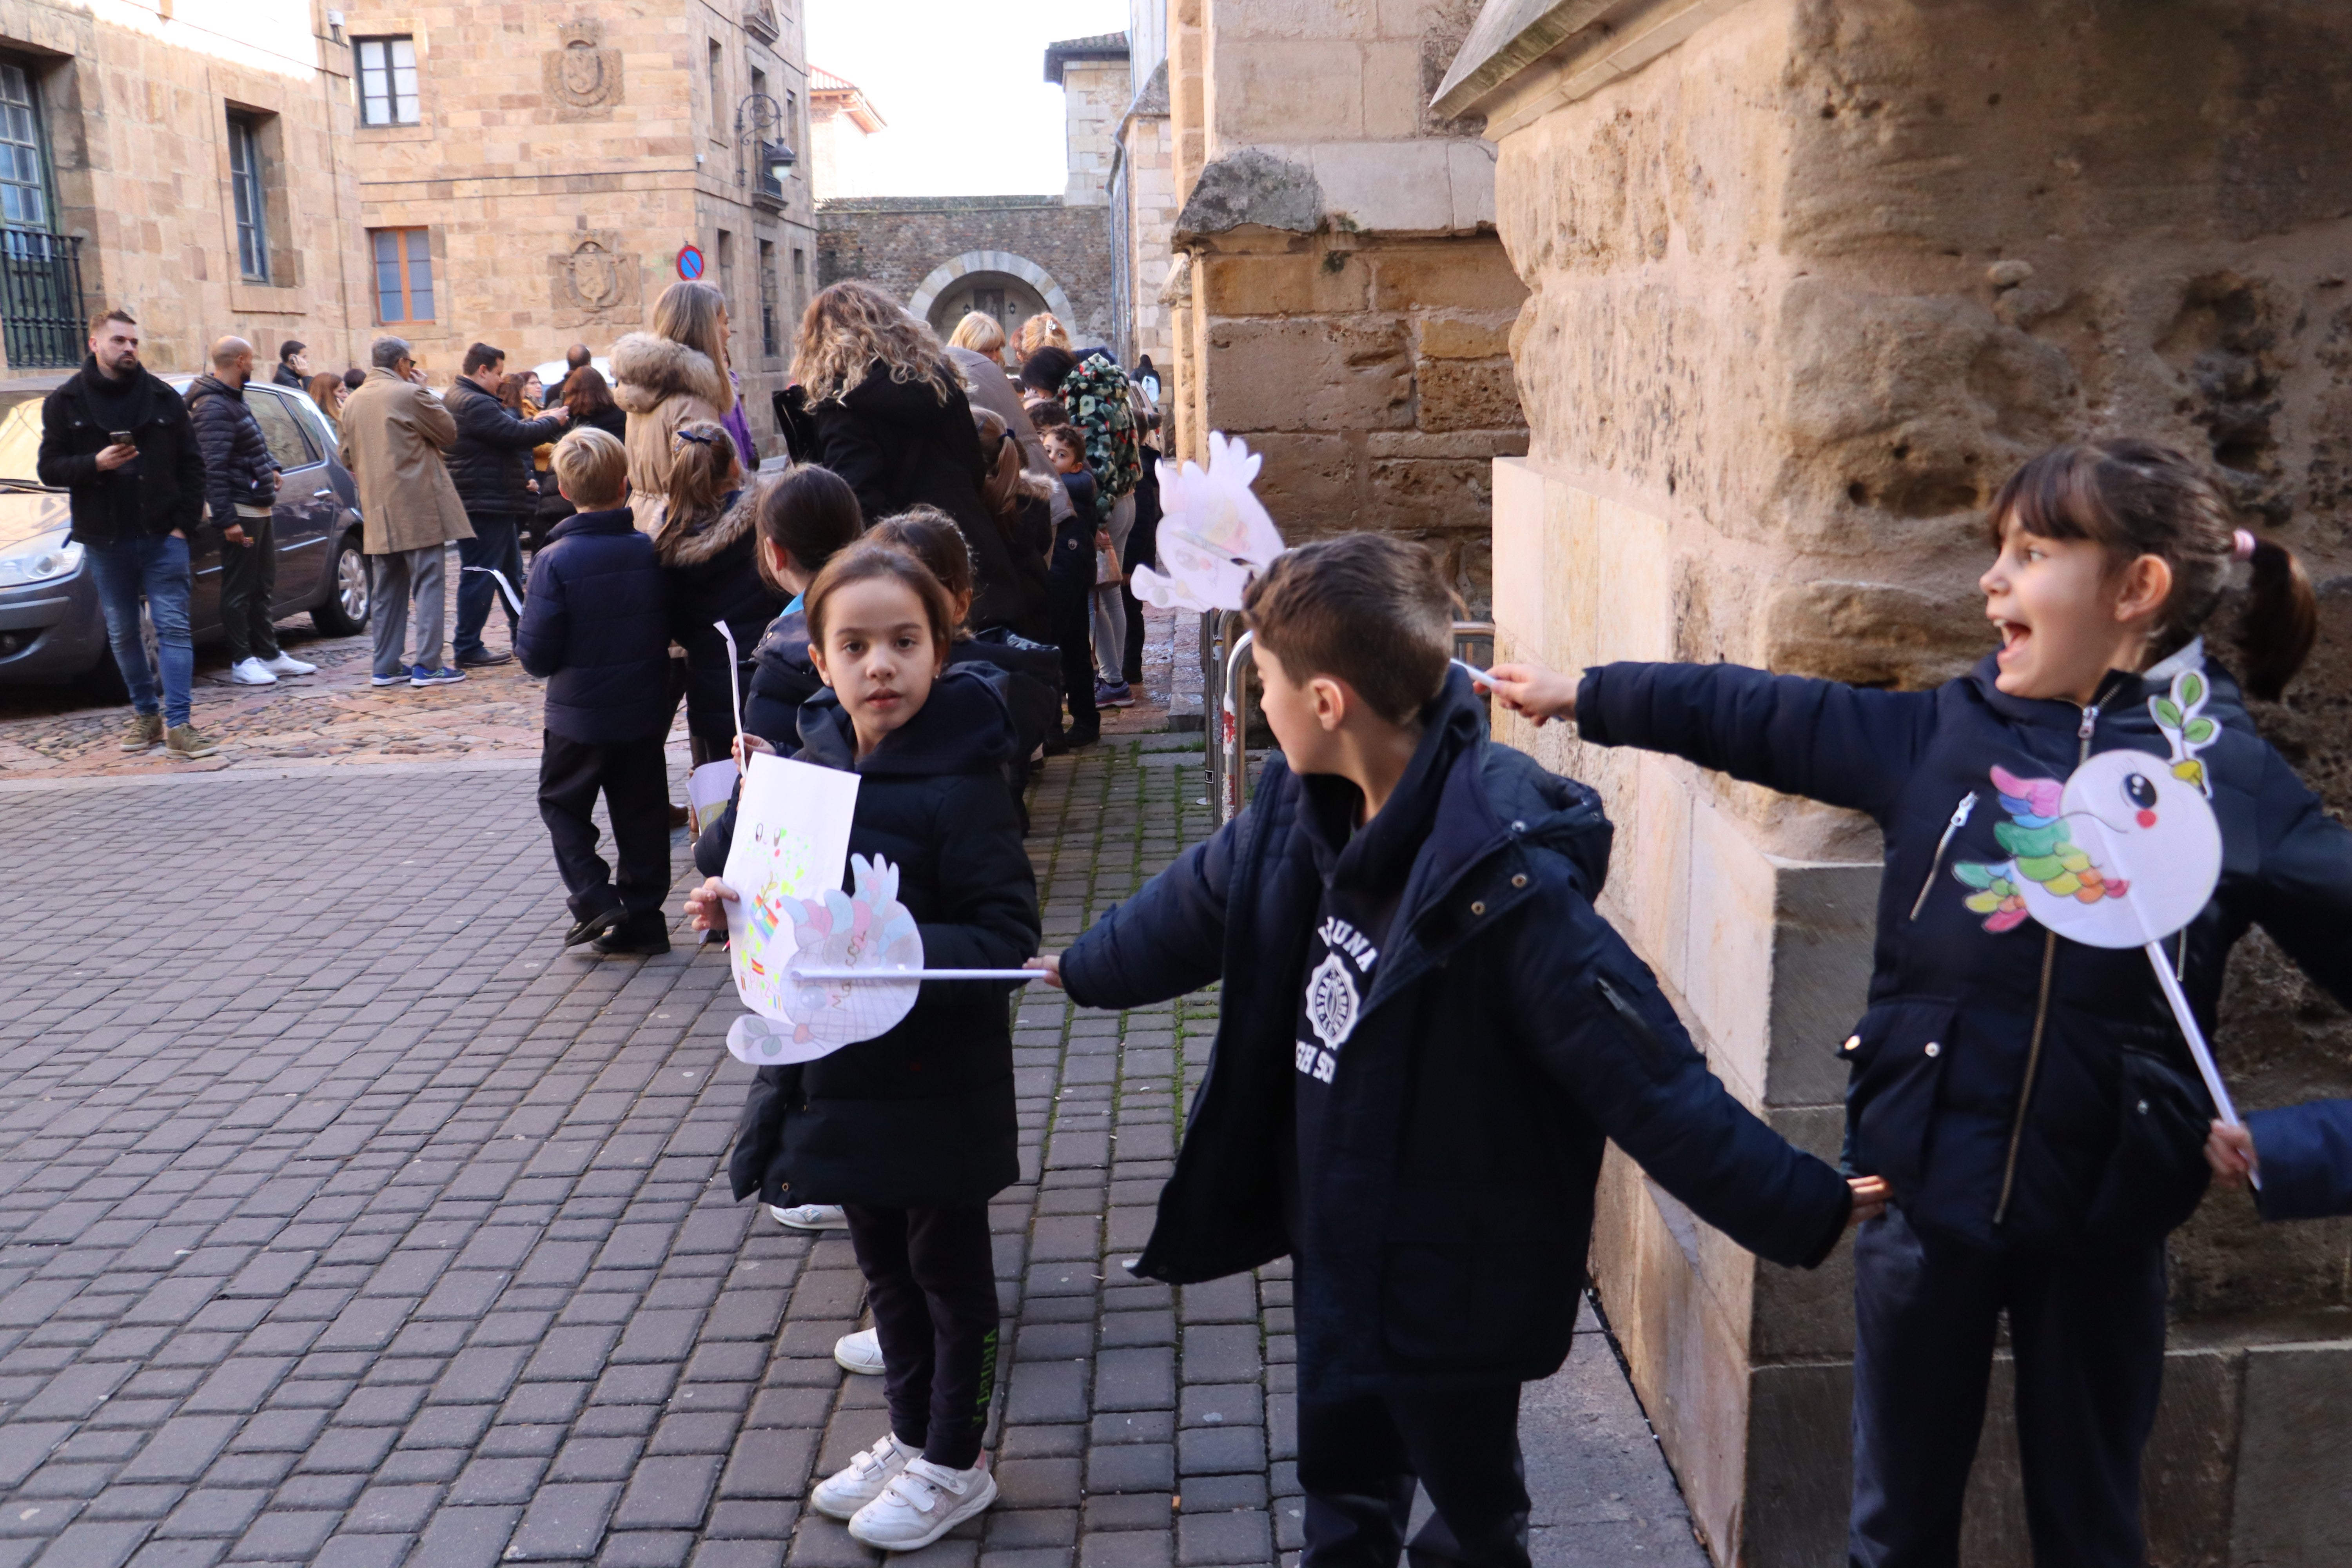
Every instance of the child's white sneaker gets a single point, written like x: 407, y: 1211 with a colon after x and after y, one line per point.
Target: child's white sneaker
x: 809, y: 1216
x: 921, y: 1503
x: 860, y: 1353
x: 842, y: 1494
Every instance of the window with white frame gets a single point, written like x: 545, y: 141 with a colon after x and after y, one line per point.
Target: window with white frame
x: 387, y: 80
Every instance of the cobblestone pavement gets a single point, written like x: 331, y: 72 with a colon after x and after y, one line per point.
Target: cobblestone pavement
x: 345, y: 1220
x: 335, y: 715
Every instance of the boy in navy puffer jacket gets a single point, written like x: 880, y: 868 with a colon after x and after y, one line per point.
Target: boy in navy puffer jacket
x: 595, y: 626
x: 1424, y: 1036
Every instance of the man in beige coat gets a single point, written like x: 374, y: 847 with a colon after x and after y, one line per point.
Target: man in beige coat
x: 395, y: 433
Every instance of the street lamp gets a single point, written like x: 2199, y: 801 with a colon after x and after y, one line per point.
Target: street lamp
x: 760, y: 121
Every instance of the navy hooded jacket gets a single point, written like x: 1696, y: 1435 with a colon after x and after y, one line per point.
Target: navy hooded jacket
x: 1508, y: 1033
x: 2109, y: 1148
x: 595, y: 626
x: 921, y: 1116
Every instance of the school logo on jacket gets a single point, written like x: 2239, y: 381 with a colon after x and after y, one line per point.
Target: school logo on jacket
x: 1332, y: 1001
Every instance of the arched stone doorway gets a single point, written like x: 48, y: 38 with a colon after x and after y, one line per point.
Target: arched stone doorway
x: 997, y: 283
x: 1007, y: 299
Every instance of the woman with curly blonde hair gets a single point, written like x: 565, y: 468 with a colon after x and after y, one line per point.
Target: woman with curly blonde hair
x: 886, y: 411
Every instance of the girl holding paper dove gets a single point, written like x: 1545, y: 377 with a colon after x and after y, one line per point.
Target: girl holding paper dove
x: 913, y: 1132
x: 2030, y: 1099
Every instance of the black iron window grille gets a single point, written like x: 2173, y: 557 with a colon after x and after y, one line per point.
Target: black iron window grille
x: 41, y: 298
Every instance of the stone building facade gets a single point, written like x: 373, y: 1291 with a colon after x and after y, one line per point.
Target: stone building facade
x: 1340, y: 299
x: 549, y: 164
x: 1806, y: 280
x: 1006, y: 257
x: 137, y: 141
x: 1143, y: 205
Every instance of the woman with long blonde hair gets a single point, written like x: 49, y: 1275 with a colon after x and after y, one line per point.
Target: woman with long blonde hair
x: 889, y: 413
x: 666, y: 378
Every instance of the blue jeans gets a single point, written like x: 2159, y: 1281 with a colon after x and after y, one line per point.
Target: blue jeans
x: 498, y: 544
x: 157, y: 569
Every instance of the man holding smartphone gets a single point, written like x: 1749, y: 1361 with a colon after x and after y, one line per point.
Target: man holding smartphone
x: 119, y: 441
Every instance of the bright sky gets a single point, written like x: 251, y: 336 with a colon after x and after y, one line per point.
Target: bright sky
x: 962, y: 86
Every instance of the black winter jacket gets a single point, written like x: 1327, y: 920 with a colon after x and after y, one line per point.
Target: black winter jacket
x: 1508, y: 1033
x: 284, y: 375
x: 711, y: 576
x: 238, y: 468
x: 1029, y: 677
x: 899, y: 445
x: 783, y: 677
x: 923, y: 1115
x: 2108, y: 1149
x: 595, y: 627
x: 160, y: 491
x: 490, y: 460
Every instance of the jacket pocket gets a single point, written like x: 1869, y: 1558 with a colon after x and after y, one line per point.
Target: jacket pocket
x: 1895, y: 1059
x: 2157, y: 1176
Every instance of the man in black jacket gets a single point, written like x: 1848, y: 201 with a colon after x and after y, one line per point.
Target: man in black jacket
x: 120, y: 442
x: 293, y: 365
x: 241, y: 484
x: 490, y: 466
x: 1424, y: 1036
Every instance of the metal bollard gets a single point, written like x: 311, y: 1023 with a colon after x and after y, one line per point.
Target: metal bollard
x: 1232, y: 733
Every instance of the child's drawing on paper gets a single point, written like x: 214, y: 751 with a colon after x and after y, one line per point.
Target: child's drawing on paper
x: 791, y: 837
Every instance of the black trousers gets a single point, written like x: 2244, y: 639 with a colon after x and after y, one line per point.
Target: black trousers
x: 1358, y: 1460
x: 2087, y: 1332
x: 930, y: 1278
x: 1068, y: 607
x: 248, y: 585
x: 497, y: 544
x: 634, y: 780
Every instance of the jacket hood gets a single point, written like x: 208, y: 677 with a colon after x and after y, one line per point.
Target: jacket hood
x: 1511, y: 793
x: 648, y: 368
x: 677, y: 547
x: 962, y: 728
x: 899, y: 402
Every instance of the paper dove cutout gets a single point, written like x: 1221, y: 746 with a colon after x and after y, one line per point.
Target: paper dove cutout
x: 2122, y: 853
x: 866, y: 928
x: 1215, y: 534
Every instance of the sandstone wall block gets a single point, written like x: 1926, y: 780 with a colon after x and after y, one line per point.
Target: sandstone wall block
x: 1311, y: 373
x: 1466, y: 394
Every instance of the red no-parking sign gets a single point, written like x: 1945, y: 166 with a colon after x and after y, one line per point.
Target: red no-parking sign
x: 690, y: 262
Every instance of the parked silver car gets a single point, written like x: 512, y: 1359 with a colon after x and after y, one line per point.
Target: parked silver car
x: 51, y: 630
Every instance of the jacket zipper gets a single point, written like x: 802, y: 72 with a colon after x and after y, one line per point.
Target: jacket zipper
x: 2041, y: 1004
x: 1959, y: 820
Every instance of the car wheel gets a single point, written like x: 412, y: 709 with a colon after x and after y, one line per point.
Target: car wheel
x: 344, y: 610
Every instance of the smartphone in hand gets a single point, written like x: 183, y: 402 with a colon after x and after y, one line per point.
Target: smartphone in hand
x: 122, y: 438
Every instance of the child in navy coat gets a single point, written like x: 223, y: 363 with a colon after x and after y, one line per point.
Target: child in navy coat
x: 1424, y: 1036
x: 2302, y: 1153
x: 2029, y: 1098
x: 595, y: 627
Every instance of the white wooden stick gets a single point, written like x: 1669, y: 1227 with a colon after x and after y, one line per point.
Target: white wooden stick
x: 1476, y: 674
x: 734, y: 690
x: 901, y: 976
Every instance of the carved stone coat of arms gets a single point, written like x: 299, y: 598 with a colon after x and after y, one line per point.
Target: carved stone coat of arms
x: 580, y: 78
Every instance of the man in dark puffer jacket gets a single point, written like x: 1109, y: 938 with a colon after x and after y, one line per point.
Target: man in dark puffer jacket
x: 241, y: 481
x: 490, y: 465
x: 596, y: 626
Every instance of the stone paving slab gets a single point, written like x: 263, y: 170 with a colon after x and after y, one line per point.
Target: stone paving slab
x: 345, y: 1220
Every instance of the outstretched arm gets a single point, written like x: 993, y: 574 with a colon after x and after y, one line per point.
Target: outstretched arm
x: 1845, y: 745
x: 2303, y: 894
x: 1167, y: 940
x: 1606, y: 1037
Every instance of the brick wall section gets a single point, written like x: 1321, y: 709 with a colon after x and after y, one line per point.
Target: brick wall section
x: 896, y: 241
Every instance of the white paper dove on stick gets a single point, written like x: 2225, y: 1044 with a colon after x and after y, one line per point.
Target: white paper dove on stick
x: 1215, y: 534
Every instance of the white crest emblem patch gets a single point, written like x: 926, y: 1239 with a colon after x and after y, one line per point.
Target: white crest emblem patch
x: 1331, y: 1002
